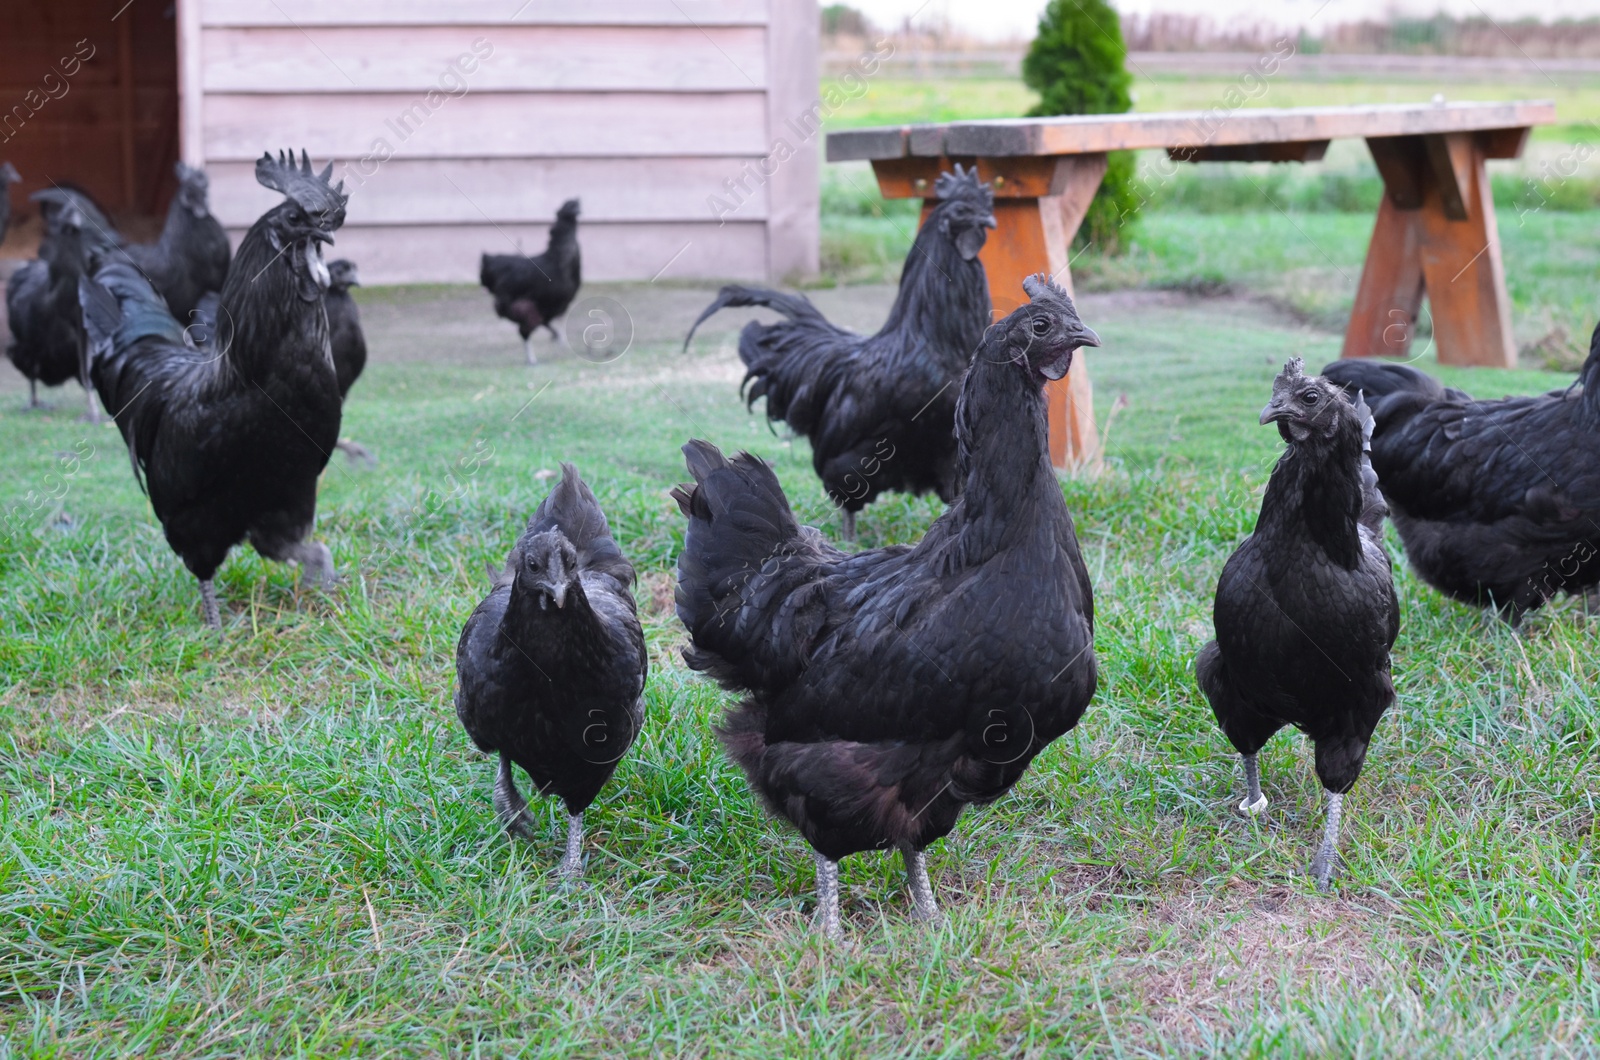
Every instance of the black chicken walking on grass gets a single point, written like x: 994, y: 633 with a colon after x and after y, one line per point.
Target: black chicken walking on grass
x: 346, y: 340
x: 1497, y: 502
x: 191, y: 258
x: 888, y: 689
x: 550, y: 668
x: 47, y: 339
x: 1306, y: 612
x: 880, y: 409
x: 535, y: 292
x: 229, y: 442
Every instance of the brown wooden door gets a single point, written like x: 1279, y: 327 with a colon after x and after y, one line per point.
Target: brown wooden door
x: 89, y: 91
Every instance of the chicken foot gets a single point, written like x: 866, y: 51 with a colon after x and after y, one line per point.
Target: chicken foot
x: 1254, y: 801
x: 923, y: 905
x: 316, y: 563
x: 828, y: 899
x: 1322, y: 866
x: 354, y: 451
x: 509, y: 805
x: 208, y: 604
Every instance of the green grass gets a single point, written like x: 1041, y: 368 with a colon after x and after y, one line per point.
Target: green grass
x: 280, y: 842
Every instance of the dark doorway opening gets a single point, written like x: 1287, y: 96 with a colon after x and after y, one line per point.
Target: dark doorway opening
x: 89, y: 97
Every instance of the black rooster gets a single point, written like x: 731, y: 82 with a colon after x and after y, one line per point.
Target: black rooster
x: 8, y: 177
x: 1306, y: 611
x: 192, y: 255
x: 888, y: 689
x: 1498, y: 502
x: 551, y: 666
x: 879, y: 409
x: 229, y: 442
x: 535, y: 292
x: 346, y: 339
x: 47, y: 344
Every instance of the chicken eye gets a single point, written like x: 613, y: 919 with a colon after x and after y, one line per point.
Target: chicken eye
x: 1040, y: 325
x: 1309, y: 397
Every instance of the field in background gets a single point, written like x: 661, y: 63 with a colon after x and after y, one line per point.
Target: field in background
x: 281, y: 843
x: 1294, y: 234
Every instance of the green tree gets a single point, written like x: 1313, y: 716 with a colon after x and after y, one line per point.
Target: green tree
x: 1078, y: 65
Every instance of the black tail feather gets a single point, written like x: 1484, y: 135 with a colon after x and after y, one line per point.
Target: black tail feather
x: 794, y: 306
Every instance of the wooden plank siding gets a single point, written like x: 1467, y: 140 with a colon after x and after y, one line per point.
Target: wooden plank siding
x: 460, y: 125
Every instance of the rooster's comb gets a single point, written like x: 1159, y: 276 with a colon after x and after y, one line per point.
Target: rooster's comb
x: 314, y: 192
x: 1293, y: 372
x: 1040, y: 287
x: 963, y: 184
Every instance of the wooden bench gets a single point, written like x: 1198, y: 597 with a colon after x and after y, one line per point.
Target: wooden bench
x: 1435, y: 230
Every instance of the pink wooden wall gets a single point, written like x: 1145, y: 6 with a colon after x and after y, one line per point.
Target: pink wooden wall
x: 641, y: 108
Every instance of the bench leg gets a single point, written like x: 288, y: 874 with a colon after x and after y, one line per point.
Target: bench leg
x: 1435, y: 231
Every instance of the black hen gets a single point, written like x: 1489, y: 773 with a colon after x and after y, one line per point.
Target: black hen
x: 551, y: 666
x: 888, y: 689
x: 192, y: 255
x: 229, y: 442
x: 8, y: 177
x: 1498, y: 502
x: 535, y: 292
x: 879, y: 409
x: 346, y: 339
x: 1306, y: 611
x: 47, y: 343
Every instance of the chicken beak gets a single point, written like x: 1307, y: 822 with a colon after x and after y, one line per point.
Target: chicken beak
x: 1086, y: 336
x: 990, y: 222
x: 1272, y: 413
x: 558, y: 595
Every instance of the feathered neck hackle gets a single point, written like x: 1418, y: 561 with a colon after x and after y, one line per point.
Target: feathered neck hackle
x: 1316, y: 486
x: 1002, y: 428
x: 943, y: 294
x: 264, y: 314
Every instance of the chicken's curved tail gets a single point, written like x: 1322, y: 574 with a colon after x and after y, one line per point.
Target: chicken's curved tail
x: 130, y: 339
x: 791, y: 363
x: 747, y: 572
x: 797, y: 307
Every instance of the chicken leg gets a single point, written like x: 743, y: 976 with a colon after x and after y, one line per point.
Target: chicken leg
x: 828, y: 899
x: 33, y: 394
x: 527, y: 351
x: 923, y: 905
x: 208, y: 605
x: 509, y: 805
x: 849, y: 525
x: 1254, y: 802
x: 571, y: 867
x: 1322, y: 866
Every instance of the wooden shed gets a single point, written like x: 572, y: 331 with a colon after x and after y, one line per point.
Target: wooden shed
x: 459, y: 126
